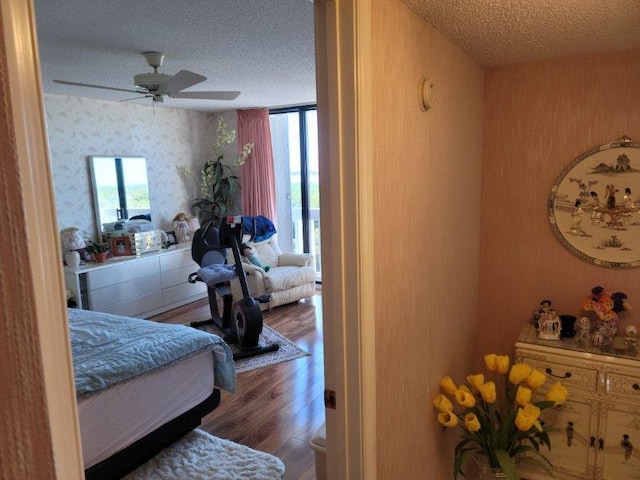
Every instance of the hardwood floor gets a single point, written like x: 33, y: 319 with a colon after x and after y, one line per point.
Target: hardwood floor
x: 275, y: 409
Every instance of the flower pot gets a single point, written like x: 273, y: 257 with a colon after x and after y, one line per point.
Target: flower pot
x: 99, y: 257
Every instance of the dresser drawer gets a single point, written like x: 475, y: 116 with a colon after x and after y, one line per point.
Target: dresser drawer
x: 619, y: 384
x: 569, y: 374
x: 178, y: 276
x: 122, y: 272
x: 179, y: 259
x: 120, y: 292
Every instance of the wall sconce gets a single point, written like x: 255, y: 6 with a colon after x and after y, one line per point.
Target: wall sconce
x: 425, y: 93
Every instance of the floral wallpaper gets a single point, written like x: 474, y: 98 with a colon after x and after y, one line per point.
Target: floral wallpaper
x: 79, y: 127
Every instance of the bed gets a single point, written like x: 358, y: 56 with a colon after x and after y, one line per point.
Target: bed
x: 140, y: 386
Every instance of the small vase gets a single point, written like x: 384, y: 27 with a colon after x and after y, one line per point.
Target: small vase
x: 608, y: 330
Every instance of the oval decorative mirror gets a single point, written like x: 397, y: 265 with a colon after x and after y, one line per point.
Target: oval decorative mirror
x: 594, y: 206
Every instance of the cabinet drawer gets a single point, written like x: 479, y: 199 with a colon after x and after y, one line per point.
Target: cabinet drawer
x: 570, y: 375
x: 122, y: 272
x: 173, y: 260
x: 180, y: 294
x: 136, y: 306
x: 123, y: 291
x: 178, y: 276
x: 618, y: 384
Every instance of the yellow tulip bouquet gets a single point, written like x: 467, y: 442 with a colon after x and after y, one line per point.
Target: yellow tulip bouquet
x: 498, y: 418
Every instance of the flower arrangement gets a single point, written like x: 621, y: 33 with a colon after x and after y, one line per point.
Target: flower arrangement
x: 605, y: 304
x: 499, y: 419
x: 216, y: 180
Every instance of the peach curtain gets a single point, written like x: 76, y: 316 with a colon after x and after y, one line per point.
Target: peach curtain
x: 257, y: 177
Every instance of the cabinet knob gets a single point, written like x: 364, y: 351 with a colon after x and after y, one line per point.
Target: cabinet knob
x: 592, y: 443
x: 635, y: 386
x: 566, y: 374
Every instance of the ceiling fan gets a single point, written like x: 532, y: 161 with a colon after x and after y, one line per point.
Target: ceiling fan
x: 156, y: 85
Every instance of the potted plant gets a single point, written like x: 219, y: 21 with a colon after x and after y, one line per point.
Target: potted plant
x: 98, y: 251
x: 218, y: 182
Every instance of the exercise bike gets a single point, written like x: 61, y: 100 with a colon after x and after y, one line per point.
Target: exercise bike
x: 240, y: 321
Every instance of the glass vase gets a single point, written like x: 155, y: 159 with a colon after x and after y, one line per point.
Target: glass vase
x: 486, y: 472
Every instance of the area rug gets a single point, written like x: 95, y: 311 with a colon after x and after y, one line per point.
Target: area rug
x: 287, y: 351
x: 201, y: 456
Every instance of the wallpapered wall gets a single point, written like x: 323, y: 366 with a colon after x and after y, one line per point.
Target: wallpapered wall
x: 539, y: 117
x: 426, y: 219
x: 78, y: 127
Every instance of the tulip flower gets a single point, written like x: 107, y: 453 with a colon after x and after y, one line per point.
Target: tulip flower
x: 490, y: 361
x: 475, y: 381
x: 442, y: 403
x: 447, y: 386
x: 465, y: 398
x: 502, y: 364
x: 527, y: 417
x: 557, y: 393
x: 523, y: 395
x: 471, y: 422
x: 447, y: 419
x: 535, y: 380
x: 519, y: 373
x: 488, y: 392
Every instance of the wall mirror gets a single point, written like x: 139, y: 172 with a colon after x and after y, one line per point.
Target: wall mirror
x: 120, y: 188
x: 594, y: 206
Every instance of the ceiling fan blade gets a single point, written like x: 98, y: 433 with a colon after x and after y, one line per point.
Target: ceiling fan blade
x: 207, y: 95
x: 135, y: 98
x: 181, y: 80
x: 77, y: 84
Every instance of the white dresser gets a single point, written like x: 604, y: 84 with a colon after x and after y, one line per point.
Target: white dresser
x: 139, y: 286
x: 597, y: 434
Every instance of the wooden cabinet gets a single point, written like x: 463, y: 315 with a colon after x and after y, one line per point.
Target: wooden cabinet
x: 139, y: 286
x: 596, y: 434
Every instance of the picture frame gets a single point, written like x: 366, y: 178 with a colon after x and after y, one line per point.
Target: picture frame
x: 172, y: 238
x: 120, y: 246
x: 594, y: 206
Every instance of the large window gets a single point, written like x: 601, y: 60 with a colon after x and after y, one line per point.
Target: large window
x: 294, y: 135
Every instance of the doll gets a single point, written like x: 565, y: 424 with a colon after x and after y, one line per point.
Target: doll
x: 252, y: 256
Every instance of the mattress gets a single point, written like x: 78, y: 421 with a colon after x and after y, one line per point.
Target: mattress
x: 114, y: 418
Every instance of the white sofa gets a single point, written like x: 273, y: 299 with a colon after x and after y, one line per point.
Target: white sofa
x: 291, y: 276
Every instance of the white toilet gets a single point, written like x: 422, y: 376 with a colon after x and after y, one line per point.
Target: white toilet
x: 319, y: 445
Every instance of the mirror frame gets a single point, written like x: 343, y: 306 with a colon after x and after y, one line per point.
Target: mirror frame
x: 121, y: 188
x: 602, y: 229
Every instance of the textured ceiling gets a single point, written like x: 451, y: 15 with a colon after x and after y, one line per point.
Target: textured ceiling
x: 265, y: 48
x: 502, y: 32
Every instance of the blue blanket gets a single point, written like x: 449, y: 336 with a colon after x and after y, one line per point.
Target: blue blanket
x: 109, y: 349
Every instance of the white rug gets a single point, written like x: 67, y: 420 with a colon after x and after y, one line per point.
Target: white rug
x: 201, y: 456
x: 287, y: 351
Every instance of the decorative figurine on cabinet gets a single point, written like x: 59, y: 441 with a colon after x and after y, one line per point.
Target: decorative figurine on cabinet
x: 630, y: 336
x: 548, y: 322
x: 584, y: 327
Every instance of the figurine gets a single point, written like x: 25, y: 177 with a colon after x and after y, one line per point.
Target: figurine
x: 549, y: 325
x: 630, y: 336
x: 584, y: 327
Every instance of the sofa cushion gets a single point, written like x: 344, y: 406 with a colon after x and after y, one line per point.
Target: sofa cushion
x: 282, y: 278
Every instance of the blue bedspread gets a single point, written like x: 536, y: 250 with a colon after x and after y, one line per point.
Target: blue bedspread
x: 108, y: 349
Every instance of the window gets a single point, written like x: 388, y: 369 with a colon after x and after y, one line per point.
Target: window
x: 294, y: 137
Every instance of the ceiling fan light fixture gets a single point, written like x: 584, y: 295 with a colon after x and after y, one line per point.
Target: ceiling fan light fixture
x: 150, y: 81
x: 154, y: 59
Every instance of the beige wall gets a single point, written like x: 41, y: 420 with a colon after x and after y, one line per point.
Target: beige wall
x: 539, y: 117
x: 427, y: 169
